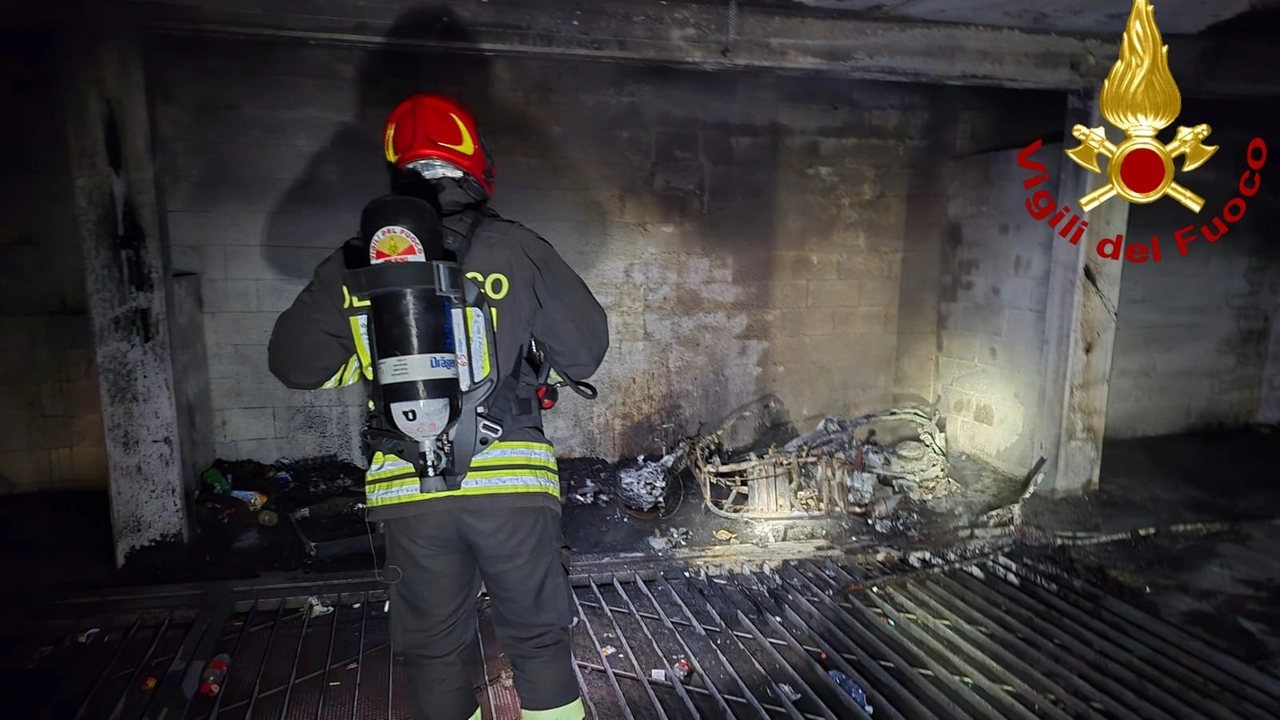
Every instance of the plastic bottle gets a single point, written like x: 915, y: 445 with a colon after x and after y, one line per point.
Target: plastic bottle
x: 252, y: 498
x: 850, y: 687
x: 214, y: 674
x: 216, y: 481
x: 266, y: 517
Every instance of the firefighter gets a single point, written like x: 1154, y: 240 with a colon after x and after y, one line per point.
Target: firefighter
x: 502, y: 527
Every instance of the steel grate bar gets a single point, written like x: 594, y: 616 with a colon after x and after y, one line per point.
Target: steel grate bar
x: 676, y: 683
x: 364, y: 619
x: 700, y: 630
x: 988, y: 637
x: 833, y: 689
x: 1243, y: 685
x: 262, y: 665
x: 944, y: 706
x: 906, y: 698
x: 102, y: 677
x: 595, y: 641
x: 631, y: 654
x: 969, y: 661
x: 1086, y: 644
x: 1049, y: 642
x: 586, y: 695
x: 297, y: 656
x: 328, y: 664
x: 800, y: 685
x: 1019, y: 673
x: 1168, y: 675
x: 1033, y: 649
x: 724, y: 628
x: 700, y: 691
x: 235, y: 650
x: 832, y: 655
x: 957, y: 684
x: 142, y: 665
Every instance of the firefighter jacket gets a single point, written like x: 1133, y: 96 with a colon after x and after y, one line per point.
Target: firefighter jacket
x: 321, y: 341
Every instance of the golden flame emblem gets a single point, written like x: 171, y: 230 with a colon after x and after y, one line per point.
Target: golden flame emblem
x: 1141, y: 98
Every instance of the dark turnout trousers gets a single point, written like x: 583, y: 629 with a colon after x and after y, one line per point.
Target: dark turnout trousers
x: 521, y: 555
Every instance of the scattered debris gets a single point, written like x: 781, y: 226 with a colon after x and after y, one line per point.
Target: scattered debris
x: 659, y: 543
x: 851, y: 688
x: 88, y: 635
x: 317, y: 608
x: 149, y: 684
x: 788, y: 692
x: 681, y: 669
x: 608, y: 650
x: 658, y: 674
x: 643, y: 486
x: 724, y: 535
x: 353, y: 666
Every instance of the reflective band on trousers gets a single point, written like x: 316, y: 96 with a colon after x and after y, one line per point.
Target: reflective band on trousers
x: 572, y: 711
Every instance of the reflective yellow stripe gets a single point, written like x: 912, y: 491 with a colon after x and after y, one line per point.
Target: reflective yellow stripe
x: 339, y: 378
x: 395, y: 491
x: 516, y: 453
x: 403, y: 489
x: 511, y: 481
x: 572, y: 711
x: 361, y: 338
x: 386, y: 466
x: 475, y: 715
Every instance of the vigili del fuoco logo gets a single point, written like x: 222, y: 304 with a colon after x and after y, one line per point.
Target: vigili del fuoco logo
x: 1140, y: 98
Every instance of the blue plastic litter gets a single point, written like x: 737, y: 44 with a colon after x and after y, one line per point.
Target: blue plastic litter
x: 847, y: 684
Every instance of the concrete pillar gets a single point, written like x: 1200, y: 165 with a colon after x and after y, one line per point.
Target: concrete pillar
x: 126, y: 282
x: 1084, y: 292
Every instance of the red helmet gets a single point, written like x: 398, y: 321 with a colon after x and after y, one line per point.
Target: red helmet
x: 442, y: 137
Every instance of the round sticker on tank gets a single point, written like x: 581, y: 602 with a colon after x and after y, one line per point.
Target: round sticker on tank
x: 395, y: 244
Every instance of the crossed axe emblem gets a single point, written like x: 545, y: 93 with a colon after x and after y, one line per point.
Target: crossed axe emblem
x: 1134, y: 164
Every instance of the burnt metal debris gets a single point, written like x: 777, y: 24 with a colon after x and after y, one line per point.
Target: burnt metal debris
x: 863, y: 465
x: 909, y: 636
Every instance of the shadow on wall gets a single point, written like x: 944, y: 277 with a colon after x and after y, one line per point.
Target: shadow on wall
x: 351, y: 163
x: 648, y: 181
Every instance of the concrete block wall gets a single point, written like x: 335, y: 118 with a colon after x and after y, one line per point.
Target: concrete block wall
x: 1196, y: 339
x: 49, y: 409
x: 744, y: 232
x: 991, y: 310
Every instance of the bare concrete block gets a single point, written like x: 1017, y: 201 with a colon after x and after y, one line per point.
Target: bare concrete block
x: 1023, y: 328
x: 834, y: 293
x: 789, y: 323
x: 207, y: 261
x: 780, y: 295
x: 89, y: 464
x: 961, y: 346
x: 257, y: 262
x: 263, y: 451
x: 250, y: 391
x: 240, y: 328
x: 864, y: 320
x: 221, y: 296
x: 976, y: 319
x: 858, y: 266
x: 86, y: 429
x: 244, y: 424
x: 208, y: 228
x: 878, y: 292
x: 789, y: 265
x: 61, y: 466
x: 277, y: 295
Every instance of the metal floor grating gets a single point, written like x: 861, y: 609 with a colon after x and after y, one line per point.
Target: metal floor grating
x: 991, y: 638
